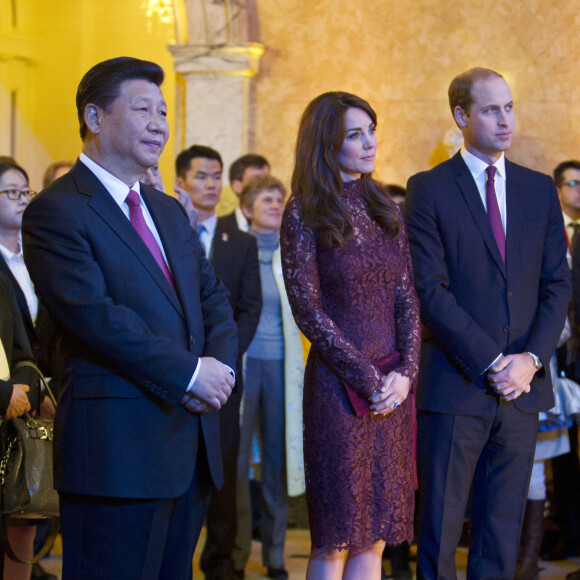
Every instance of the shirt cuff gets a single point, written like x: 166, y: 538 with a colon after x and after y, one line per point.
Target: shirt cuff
x: 196, y: 373
x: 494, y: 361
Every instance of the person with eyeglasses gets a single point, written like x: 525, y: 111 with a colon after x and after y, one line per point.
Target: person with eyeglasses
x: 566, y: 467
x: 15, y: 193
x: 567, y: 179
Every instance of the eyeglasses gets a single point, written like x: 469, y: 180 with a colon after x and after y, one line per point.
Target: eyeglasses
x: 16, y: 194
x: 573, y: 183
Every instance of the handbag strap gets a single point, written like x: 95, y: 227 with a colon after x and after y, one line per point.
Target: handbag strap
x: 7, y: 548
x: 29, y: 363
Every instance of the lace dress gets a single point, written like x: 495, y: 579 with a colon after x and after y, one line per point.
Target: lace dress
x: 355, y: 304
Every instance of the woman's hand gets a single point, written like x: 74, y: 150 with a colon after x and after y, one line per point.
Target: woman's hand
x: 18, y: 402
x: 392, y: 394
x: 47, y: 410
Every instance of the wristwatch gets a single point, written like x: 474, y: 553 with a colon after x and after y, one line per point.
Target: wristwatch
x: 536, y: 360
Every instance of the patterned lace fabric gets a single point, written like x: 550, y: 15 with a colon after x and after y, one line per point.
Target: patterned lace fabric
x: 355, y: 304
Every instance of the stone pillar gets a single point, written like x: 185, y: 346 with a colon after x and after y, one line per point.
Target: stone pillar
x: 214, y: 107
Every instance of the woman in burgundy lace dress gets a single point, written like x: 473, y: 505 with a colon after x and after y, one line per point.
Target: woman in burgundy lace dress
x: 348, y: 275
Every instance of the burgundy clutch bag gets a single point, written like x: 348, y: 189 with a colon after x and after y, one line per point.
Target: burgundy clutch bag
x: 386, y: 364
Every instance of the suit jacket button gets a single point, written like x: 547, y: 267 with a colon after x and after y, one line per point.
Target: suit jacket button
x: 191, y: 340
x: 509, y: 294
x: 506, y: 329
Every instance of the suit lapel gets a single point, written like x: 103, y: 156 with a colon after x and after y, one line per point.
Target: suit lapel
x: 105, y: 206
x: 472, y: 198
x: 20, y: 298
x: 183, y: 271
x: 219, y: 244
x: 515, y: 200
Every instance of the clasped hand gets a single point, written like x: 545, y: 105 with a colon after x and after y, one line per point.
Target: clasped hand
x: 212, y: 387
x: 391, y: 395
x: 511, y: 375
x: 19, y: 402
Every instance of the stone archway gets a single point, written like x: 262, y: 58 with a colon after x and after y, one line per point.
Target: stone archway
x: 217, y: 54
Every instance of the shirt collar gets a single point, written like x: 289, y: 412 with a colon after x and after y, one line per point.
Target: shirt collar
x: 112, y: 184
x: 241, y: 220
x: 476, y: 166
x: 568, y: 221
x: 210, y: 224
x: 8, y: 255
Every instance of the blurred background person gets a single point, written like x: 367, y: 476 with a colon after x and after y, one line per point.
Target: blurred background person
x: 15, y: 195
x: 234, y: 256
x: 54, y: 171
x: 241, y: 171
x: 397, y: 193
x: 273, y: 379
x: 152, y: 177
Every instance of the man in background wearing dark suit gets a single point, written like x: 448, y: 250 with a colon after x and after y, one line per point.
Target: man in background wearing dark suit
x: 148, y: 340
x: 489, y: 252
x: 234, y: 256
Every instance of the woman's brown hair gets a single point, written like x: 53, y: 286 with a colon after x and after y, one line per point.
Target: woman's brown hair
x: 316, y: 179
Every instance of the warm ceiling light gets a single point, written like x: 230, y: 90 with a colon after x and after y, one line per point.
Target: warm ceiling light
x: 160, y: 9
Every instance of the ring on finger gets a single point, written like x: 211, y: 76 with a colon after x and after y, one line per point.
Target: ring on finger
x: 396, y: 404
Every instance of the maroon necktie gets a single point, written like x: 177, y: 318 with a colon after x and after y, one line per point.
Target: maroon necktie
x: 138, y: 222
x: 493, y: 211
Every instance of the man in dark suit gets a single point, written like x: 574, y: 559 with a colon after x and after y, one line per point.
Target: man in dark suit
x: 234, y: 256
x: 489, y: 253
x: 241, y: 171
x: 148, y: 340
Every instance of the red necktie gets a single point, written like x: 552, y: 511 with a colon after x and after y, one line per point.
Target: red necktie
x: 138, y: 222
x: 493, y: 211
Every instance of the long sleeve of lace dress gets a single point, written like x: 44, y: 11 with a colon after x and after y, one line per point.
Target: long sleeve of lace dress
x: 301, y: 277
x: 407, y: 325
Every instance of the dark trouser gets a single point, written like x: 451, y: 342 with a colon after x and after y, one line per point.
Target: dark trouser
x: 495, y: 454
x: 566, y: 476
x: 133, y: 539
x: 216, y: 558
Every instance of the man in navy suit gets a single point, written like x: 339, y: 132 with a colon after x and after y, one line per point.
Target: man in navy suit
x: 489, y: 252
x: 234, y: 256
x: 148, y: 340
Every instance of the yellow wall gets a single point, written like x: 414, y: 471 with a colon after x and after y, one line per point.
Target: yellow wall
x: 44, y: 57
x: 399, y: 55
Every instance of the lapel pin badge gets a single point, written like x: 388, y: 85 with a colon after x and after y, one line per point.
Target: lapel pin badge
x: 225, y: 237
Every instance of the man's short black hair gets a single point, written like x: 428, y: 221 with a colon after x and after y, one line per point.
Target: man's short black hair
x: 239, y: 166
x: 101, y: 85
x: 184, y: 159
x: 565, y: 165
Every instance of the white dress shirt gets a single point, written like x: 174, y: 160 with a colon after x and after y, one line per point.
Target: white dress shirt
x: 241, y: 220
x: 478, y: 169
x: 206, y: 231
x: 18, y: 268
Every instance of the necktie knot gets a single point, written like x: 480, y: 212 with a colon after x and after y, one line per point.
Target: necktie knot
x: 133, y: 199
x: 491, y: 169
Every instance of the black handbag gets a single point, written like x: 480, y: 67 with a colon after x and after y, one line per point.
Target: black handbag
x: 27, y: 495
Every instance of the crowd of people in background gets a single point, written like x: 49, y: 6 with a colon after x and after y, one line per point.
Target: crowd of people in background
x: 437, y: 319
